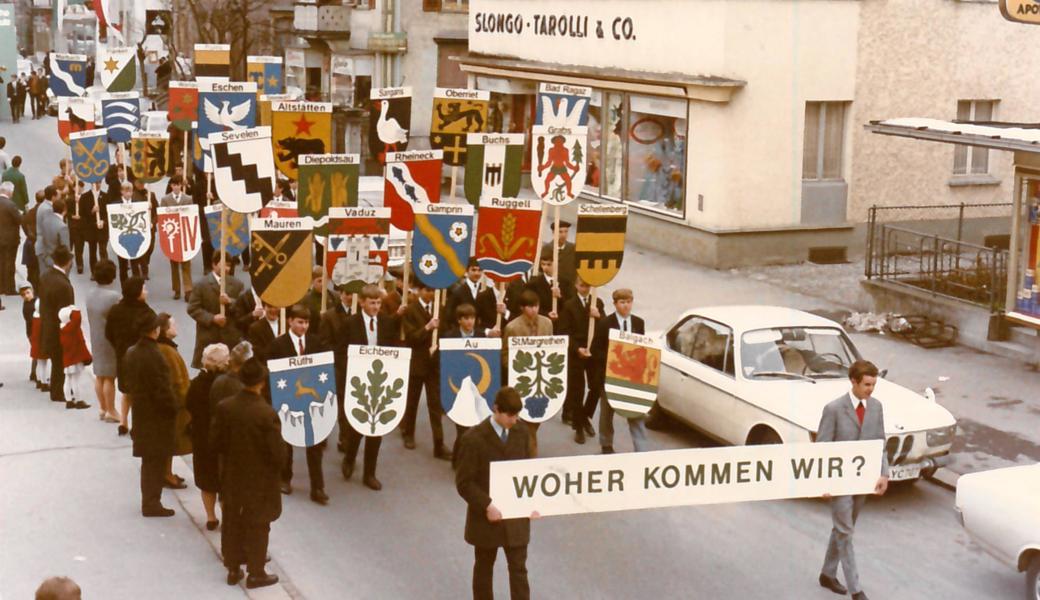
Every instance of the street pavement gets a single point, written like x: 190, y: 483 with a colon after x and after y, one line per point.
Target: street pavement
x: 70, y: 499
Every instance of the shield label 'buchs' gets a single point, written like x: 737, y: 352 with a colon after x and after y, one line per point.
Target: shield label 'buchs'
x: 599, y: 244
x: 148, y: 154
x: 377, y: 388
x: 493, y: 165
x: 558, y: 165
x: 538, y: 372
x: 227, y: 225
x: 413, y: 179
x: 299, y: 128
x: 390, y: 118
x: 243, y: 168
x: 456, y: 113
x: 471, y: 374
x: 129, y: 228
x: 303, y: 393
x: 90, y: 160
x: 282, y: 251
x: 441, y: 243
x: 633, y: 372
x: 179, y: 230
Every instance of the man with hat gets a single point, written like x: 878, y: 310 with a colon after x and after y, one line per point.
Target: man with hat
x: 567, y: 269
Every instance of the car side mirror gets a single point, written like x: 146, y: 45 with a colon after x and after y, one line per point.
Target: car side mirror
x: 883, y: 373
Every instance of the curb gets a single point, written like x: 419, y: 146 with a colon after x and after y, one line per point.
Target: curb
x: 945, y: 478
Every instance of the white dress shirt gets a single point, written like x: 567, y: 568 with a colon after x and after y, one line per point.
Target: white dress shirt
x: 371, y: 329
x: 296, y: 341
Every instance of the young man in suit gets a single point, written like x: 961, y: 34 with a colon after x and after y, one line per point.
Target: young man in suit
x: 568, y: 266
x: 92, y: 223
x: 56, y: 292
x: 204, y: 304
x: 528, y: 324
x: 299, y: 341
x: 490, y: 304
x: 574, y: 322
x: 499, y: 437
x: 313, y: 298
x: 466, y: 291
x: 263, y: 331
x: 418, y: 324
x: 368, y: 328
x: 51, y: 233
x: 334, y: 336
x: 136, y: 266
x: 143, y: 194
x: 623, y: 319
x: 854, y: 416
x: 543, y: 284
x: 178, y: 271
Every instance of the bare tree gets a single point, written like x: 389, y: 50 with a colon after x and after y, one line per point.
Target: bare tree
x: 242, y: 23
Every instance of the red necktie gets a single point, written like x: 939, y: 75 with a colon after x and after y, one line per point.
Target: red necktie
x: 372, y: 324
x: 301, y: 354
x: 860, y: 411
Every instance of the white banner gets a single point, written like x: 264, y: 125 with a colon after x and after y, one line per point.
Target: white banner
x: 607, y: 482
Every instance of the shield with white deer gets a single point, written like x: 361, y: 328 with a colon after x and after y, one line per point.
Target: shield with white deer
x: 303, y: 393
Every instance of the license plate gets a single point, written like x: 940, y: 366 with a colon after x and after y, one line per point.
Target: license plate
x: 903, y: 472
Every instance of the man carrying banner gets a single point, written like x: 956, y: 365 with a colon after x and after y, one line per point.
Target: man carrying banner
x: 143, y: 194
x: 334, y: 335
x: 502, y: 436
x: 93, y: 221
x: 213, y: 326
x: 854, y: 416
x: 574, y: 323
x: 178, y: 271
x: 567, y: 267
x: 528, y: 324
x: 622, y: 319
x: 419, y: 324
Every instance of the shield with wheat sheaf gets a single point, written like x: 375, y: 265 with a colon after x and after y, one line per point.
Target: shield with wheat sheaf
x: 507, y: 236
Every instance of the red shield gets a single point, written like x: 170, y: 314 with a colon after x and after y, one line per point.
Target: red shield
x: 412, y: 178
x: 179, y: 231
x: 507, y: 236
x: 74, y: 115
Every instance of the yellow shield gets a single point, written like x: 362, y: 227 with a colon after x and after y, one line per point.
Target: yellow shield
x: 299, y: 128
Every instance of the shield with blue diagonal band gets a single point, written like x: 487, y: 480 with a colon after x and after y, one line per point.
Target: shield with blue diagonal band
x: 441, y: 243
x: 303, y: 393
x: 471, y: 373
x: 121, y: 114
x: 68, y: 74
x: 90, y: 160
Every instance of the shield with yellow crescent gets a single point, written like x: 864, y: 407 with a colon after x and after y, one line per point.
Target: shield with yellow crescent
x: 281, y: 255
x: 456, y: 113
x: 507, y: 236
x: 471, y: 373
x: 299, y: 128
x: 599, y: 244
x: 148, y: 154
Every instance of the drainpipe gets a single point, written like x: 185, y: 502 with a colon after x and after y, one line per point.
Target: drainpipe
x: 397, y: 56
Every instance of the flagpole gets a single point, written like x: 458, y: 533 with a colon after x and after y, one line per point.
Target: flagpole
x: 224, y: 224
x: 454, y: 174
x: 407, y: 270
x: 498, y: 315
x: 436, y: 315
x: 556, y: 256
x: 353, y: 303
x: 186, y: 158
x: 592, y: 320
x: 538, y: 247
x: 324, y: 272
x: 281, y: 321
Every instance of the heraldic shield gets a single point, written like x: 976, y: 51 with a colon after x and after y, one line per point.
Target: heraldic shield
x: 599, y: 244
x: 74, y: 115
x: 456, y: 113
x: 179, y: 229
x: 507, y: 236
x: 538, y: 372
x: 471, y: 374
x: 389, y: 120
x: 441, y: 243
x: 222, y: 107
x: 130, y: 229
x: 493, y: 163
x: 299, y: 128
x: 282, y: 251
x: 148, y: 155
x: 117, y: 68
x: 303, y: 393
x: 266, y: 72
x: 326, y: 181
x: 633, y: 371
x: 377, y: 388
x: 351, y: 263
x: 413, y: 179
x: 558, y: 162
x: 121, y: 116
x: 279, y: 209
x: 183, y: 104
x: 562, y: 105
x: 68, y: 76
x: 243, y: 168
x: 90, y: 159
x: 235, y: 229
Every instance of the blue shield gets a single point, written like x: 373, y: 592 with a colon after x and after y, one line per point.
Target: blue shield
x: 471, y: 373
x: 267, y: 75
x: 222, y: 111
x: 68, y: 74
x: 90, y: 160
x: 236, y: 240
x: 558, y: 108
x: 441, y: 243
x: 121, y: 114
x: 303, y: 393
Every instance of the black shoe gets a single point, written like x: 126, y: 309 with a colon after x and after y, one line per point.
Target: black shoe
x: 123, y: 430
x: 233, y: 577
x: 409, y: 442
x: 77, y: 404
x: 176, y: 485
x: 607, y: 450
x: 286, y: 487
x: 441, y: 452
x: 320, y: 497
x: 79, y: 270
x: 832, y: 584
x: 176, y: 295
x: 860, y: 596
x: 347, y: 469
x: 262, y: 580
x: 567, y: 419
x: 579, y: 436
x: 212, y: 526
x: 372, y: 483
x: 161, y: 511
x: 589, y: 431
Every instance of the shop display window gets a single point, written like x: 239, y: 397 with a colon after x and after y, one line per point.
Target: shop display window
x: 656, y: 153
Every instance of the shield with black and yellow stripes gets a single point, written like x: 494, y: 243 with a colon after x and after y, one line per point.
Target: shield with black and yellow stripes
x: 599, y: 244
x: 282, y: 254
x: 148, y: 155
x: 212, y: 62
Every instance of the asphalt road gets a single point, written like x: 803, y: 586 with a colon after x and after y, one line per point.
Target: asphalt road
x: 69, y: 501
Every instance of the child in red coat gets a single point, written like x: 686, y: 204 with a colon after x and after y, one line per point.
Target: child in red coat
x: 36, y: 349
x: 75, y: 355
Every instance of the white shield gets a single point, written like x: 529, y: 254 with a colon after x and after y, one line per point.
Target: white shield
x: 538, y: 372
x: 130, y: 229
x: 558, y: 162
x: 376, y: 393
x: 356, y: 263
x: 243, y: 171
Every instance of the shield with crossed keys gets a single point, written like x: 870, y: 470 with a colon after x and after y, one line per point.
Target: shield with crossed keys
x: 282, y: 254
x: 90, y: 159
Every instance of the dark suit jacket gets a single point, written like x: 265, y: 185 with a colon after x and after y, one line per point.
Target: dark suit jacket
x: 479, y: 447
x: 10, y: 223
x: 574, y: 322
x: 155, y: 408
x: 543, y: 288
x: 242, y: 309
x: 55, y: 293
x: 459, y: 295
x: 601, y: 337
x: 418, y: 338
x: 260, y: 336
x: 282, y: 346
x: 203, y: 305
x: 88, y: 221
x: 487, y: 310
x: 247, y: 434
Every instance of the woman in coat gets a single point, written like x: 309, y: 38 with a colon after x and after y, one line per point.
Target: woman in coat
x: 179, y: 383
x: 204, y: 461
x: 100, y: 301
x: 121, y: 332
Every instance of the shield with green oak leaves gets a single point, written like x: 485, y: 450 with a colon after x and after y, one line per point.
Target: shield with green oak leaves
x: 376, y: 391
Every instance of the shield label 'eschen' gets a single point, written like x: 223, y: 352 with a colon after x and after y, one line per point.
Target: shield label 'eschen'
x: 280, y: 263
x: 599, y: 244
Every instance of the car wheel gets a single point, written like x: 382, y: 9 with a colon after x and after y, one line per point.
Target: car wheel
x: 766, y: 437
x: 1033, y: 579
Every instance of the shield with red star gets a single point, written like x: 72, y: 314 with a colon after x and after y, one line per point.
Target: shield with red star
x: 299, y: 128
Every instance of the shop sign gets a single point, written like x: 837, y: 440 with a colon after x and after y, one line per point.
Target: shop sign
x: 1021, y: 11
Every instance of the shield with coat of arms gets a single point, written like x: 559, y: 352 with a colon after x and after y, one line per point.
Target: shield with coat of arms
x: 299, y: 128
x: 90, y: 159
x: 231, y: 226
x: 327, y: 181
x: 68, y: 74
x: 456, y: 113
x: 413, y: 180
x: 183, y: 104
x: 562, y: 105
x: 222, y: 107
x: 441, y: 243
x: 121, y: 114
x: 390, y: 118
x: 266, y: 72
x: 377, y: 388
x: 303, y: 393
x: 471, y: 375
x: 599, y: 244
x: 633, y: 371
x: 129, y: 228
x: 558, y: 165
x: 279, y: 209
x: 148, y: 152
x: 179, y: 230
x: 117, y: 68
x: 493, y: 165
x: 243, y: 171
x: 538, y: 372
x: 507, y: 236
x: 74, y: 115
x: 349, y: 262
x: 282, y: 251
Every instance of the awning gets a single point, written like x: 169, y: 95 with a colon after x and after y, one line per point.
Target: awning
x: 998, y: 136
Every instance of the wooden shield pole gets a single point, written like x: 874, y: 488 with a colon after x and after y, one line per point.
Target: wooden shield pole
x: 407, y: 271
x: 281, y: 321
x: 592, y: 320
x: 224, y: 224
x: 324, y: 272
x: 538, y: 245
x: 353, y: 303
x: 454, y: 174
x: 498, y: 315
x: 186, y: 156
x: 436, y: 315
x: 556, y: 255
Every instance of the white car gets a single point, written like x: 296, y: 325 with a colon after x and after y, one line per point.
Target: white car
x: 998, y: 509
x: 762, y: 375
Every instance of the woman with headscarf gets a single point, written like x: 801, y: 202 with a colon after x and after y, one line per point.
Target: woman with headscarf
x: 179, y: 382
x: 100, y: 301
x: 121, y: 332
x: 204, y: 460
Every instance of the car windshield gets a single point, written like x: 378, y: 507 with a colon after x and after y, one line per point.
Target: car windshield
x: 796, y: 353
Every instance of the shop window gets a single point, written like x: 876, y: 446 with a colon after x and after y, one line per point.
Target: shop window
x: 656, y: 158
x: 605, y: 147
x: 824, y: 142
x: 449, y: 75
x: 970, y: 160
x: 446, y: 5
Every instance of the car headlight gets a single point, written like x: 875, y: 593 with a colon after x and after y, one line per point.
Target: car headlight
x: 941, y: 436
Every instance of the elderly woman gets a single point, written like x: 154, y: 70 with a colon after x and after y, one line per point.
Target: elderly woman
x: 100, y: 301
x: 121, y: 332
x: 228, y: 384
x: 179, y: 381
x: 206, y: 466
